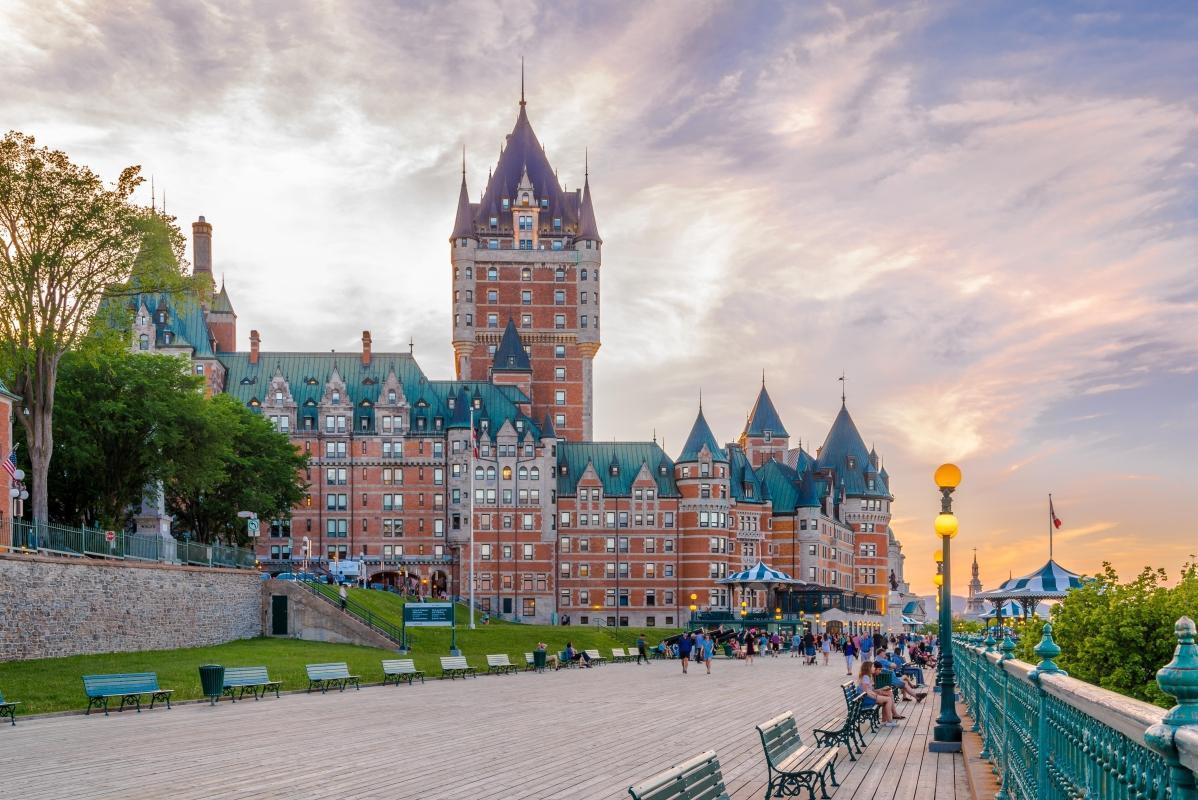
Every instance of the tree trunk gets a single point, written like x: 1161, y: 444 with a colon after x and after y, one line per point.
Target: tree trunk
x: 37, y: 387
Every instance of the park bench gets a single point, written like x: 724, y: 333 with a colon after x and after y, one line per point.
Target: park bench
x: 596, y: 659
x: 252, y: 679
x: 399, y: 670
x: 454, y: 666
x: 325, y: 675
x: 697, y: 779
x: 619, y: 654
x: 566, y: 662
x: 8, y: 709
x: 130, y: 687
x: 844, y: 730
x: 529, y: 662
x: 872, y: 713
x: 792, y: 765
x: 499, y: 664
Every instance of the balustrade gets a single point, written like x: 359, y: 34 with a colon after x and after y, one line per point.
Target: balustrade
x: 1049, y: 736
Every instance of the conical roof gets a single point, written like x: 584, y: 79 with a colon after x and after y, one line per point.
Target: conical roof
x: 547, y: 431
x: 510, y: 356
x: 843, y: 441
x: 587, y: 227
x: 764, y: 417
x: 701, y: 435
x: 463, y: 223
x: 220, y: 303
x: 523, y: 152
x: 460, y: 416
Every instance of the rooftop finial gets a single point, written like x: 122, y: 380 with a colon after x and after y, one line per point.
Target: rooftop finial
x: 586, y: 162
x: 521, y: 80
x: 700, y: 399
x: 842, y: 379
x: 153, y: 196
x: 763, y: 377
x: 463, y: 162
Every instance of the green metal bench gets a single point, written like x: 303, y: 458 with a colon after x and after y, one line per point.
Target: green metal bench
x: 872, y: 713
x: 8, y: 709
x: 565, y: 662
x: 454, y: 667
x: 500, y: 664
x: 239, y: 680
x: 130, y: 687
x: 326, y: 675
x: 844, y: 730
x: 596, y: 659
x: 793, y: 766
x: 399, y: 670
x: 696, y: 779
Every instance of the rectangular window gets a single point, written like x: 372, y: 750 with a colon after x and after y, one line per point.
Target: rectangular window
x: 559, y: 397
x: 526, y: 298
x: 559, y: 321
x: 559, y: 298
x: 492, y: 320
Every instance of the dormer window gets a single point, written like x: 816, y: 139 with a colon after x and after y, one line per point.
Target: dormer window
x: 524, y: 198
x: 564, y: 470
x: 278, y: 397
x: 391, y: 396
x: 768, y: 435
x: 451, y: 402
x: 615, y: 469
x: 506, y: 204
x: 494, y: 222
x: 161, y: 317
x: 167, y: 336
x: 141, y: 319
x: 336, y: 397
x: 557, y: 223
x: 852, y: 463
x: 311, y: 381
x: 520, y: 426
x: 544, y: 202
x: 661, y: 470
x: 486, y: 424
x: 143, y: 342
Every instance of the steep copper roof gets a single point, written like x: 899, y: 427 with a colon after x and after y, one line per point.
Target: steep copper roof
x: 587, y: 228
x: 463, y: 223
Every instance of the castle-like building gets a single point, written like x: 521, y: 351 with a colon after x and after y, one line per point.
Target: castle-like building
x: 403, y: 467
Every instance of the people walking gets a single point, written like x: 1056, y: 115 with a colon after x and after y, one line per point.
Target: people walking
x: 685, y: 644
x: 344, y: 596
x: 708, y: 652
x: 850, y: 655
x: 826, y: 648
x: 750, y: 646
x: 640, y: 649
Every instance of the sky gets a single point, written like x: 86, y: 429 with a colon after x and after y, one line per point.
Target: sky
x: 984, y: 215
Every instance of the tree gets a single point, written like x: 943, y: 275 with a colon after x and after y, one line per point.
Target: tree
x: 124, y: 421
x: 66, y: 241
x: 259, y: 471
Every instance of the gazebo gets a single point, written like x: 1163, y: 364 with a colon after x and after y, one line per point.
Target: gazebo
x: 1010, y: 610
x: 1050, y: 582
x: 759, y: 576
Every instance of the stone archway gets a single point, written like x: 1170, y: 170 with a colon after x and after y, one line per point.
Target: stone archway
x: 438, y: 583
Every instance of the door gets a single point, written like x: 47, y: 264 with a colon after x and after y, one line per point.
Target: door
x: 278, y: 615
x: 507, y: 605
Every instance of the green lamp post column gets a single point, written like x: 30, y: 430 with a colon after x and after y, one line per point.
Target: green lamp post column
x: 1178, y: 678
x: 946, y: 736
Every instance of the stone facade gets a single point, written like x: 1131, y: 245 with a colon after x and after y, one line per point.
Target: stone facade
x: 120, y: 607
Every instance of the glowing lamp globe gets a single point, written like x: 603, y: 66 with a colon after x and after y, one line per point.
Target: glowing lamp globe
x: 938, y: 580
x: 946, y: 525
x: 948, y: 476
x: 938, y: 557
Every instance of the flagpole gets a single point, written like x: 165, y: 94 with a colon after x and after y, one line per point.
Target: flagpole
x: 1051, y: 525
x: 470, y: 469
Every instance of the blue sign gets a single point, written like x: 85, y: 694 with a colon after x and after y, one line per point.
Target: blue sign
x: 428, y: 615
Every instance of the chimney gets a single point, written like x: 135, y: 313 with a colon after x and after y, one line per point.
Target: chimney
x: 366, y: 348
x: 254, y: 340
x: 201, y: 246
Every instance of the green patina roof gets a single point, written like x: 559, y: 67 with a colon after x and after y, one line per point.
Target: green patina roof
x: 220, y: 303
x: 511, y: 356
x: 701, y: 435
x: 628, y: 456
x: 4, y: 391
x: 844, y: 444
x: 185, y: 321
x: 740, y: 475
x: 790, y: 490
x: 764, y: 417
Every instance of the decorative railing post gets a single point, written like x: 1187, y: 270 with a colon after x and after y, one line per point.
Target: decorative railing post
x: 1007, y: 648
x: 1179, y: 679
x: 1047, y: 650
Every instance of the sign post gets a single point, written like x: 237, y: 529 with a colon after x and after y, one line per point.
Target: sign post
x: 430, y: 615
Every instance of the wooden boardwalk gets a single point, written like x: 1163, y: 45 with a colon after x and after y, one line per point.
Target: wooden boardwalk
x: 576, y: 733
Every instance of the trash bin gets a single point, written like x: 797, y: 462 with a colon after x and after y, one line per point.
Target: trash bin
x: 538, y: 659
x: 212, y: 681
x: 727, y: 650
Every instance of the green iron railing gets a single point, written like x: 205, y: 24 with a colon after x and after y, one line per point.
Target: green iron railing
x: 1050, y: 736
x: 53, y: 539
x: 361, y: 612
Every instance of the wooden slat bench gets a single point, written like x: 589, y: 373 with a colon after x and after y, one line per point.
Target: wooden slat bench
x: 252, y: 679
x: 596, y: 659
x: 792, y: 765
x: 844, y: 730
x: 619, y: 656
x: 499, y: 664
x: 8, y: 709
x: 323, y: 676
x: 872, y: 713
x: 698, y: 778
x: 566, y: 662
x: 456, y: 666
x: 529, y: 662
x: 130, y: 687
x: 398, y: 670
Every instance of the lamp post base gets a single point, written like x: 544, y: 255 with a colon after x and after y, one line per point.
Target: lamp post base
x: 944, y: 747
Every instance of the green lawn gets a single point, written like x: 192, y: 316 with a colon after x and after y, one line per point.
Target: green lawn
x: 54, y: 684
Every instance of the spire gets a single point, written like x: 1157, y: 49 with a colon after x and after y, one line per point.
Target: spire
x: 842, y: 380
x: 510, y: 356
x: 547, y: 431
x: 764, y: 417
x: 587, y: 227
x: 522, y: 81
x: 699, y: 437
x: 463, y: 222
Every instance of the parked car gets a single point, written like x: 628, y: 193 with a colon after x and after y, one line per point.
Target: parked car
x: 296, y: 576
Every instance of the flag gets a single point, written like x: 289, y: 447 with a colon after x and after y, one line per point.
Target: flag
x: 474, y: 438
x: 10, y: 464
x: 1056, y: 522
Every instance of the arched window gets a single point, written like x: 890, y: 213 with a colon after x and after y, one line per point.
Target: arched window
x: 560, y: 275
x: 523, y: 473
x: 479, y: 473
x: 583, y: 274
x: 143, y: 342
x: 507, y: 473
x: 490, y: 473
x: 526, y: 274
x: 524, y: 198
x: 536, y: 473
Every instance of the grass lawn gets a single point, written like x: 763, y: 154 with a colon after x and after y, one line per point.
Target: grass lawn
x: 54, y: 684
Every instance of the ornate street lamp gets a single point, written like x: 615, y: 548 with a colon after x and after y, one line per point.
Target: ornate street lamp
x: 946, y: 737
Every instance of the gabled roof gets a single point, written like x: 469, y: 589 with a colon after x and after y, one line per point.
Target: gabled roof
x: 4, y: 391
x: 743, y: 482
x: 185, y: 321
x: 701, y: 435
x: 843, y: 446
x: 629, y: 457
x: 764, y: 417
x: 547, y: 431
x: 511, y: 356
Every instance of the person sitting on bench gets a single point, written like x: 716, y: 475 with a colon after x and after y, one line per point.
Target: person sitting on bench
x: 577, y: 655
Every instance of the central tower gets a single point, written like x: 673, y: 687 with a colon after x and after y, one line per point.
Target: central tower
x: 529, y: 251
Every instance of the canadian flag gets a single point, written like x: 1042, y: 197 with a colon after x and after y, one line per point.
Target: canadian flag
x: 1056, y: 522
x: 474, y: 441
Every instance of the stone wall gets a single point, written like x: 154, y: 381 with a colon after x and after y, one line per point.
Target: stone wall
x: 61, y: 606
x: 309, y: 617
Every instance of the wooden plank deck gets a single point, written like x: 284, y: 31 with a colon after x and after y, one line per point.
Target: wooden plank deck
x: 577, y: 733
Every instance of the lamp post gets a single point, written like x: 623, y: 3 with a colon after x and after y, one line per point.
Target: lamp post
x: 946, y: 737
x: 693, y: 607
